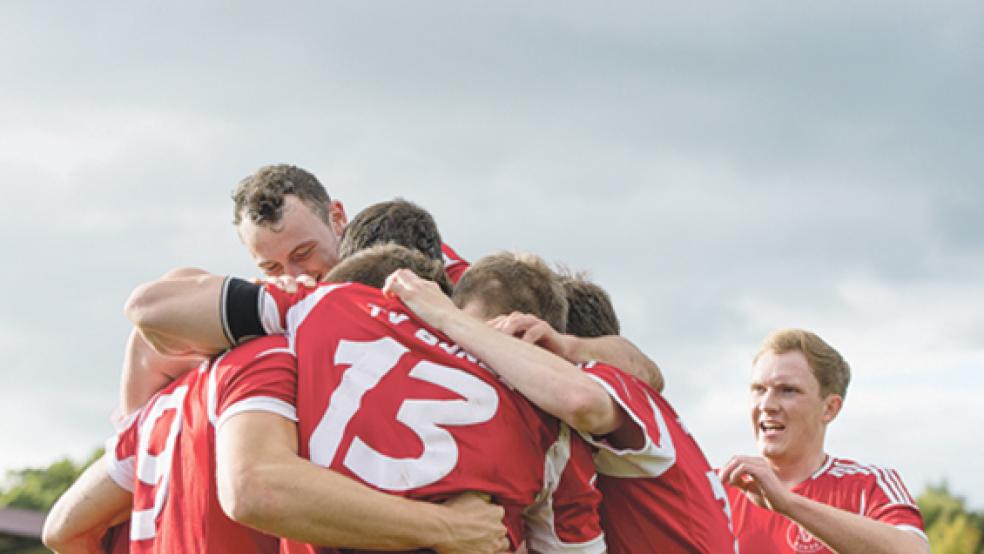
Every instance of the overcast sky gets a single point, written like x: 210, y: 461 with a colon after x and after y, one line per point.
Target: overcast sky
x: 723, y: 170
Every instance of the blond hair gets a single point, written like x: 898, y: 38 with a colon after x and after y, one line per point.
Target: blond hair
x: 829, y: 367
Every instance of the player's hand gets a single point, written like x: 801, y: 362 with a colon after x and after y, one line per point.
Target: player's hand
x: 288, y: 283
x: 423, y: 297
x: 756, y: 478
x: 476, y: 526
x: 534, y: 330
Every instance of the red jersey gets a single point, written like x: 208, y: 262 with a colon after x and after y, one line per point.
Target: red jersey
x: 166, y: 455
x: 871, y: 491
x: 387, y: 400
x: 454, y: 265
x: 663, y: 497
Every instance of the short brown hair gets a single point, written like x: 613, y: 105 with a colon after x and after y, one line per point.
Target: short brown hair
x: 514, y: 282
x: 397, y: 221
x: 828, y: 366
x: 260, y: 197
x: 373, y: 265
x: 590, y: 312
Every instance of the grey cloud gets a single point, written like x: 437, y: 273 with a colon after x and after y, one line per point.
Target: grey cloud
x: 693, y: 157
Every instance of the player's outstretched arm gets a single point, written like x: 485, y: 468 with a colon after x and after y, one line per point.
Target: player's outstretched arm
x: 180, y: 313
x: 265, y: 485
x: 840, y: 530
x: 80, y: 518
x: 554, y: 384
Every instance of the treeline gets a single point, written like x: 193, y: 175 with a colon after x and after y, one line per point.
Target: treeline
x: 952, y: 528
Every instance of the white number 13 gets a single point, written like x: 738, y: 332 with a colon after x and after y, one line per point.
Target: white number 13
x: 369, y: 362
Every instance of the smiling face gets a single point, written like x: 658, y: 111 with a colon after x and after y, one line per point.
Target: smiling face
x: 789, y: 414
x: 300, y: 243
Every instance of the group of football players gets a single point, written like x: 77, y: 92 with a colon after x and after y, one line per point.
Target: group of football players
x: 377, y: 392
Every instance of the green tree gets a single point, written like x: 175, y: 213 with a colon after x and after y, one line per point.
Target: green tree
x: 951, y: 528
x: 39, y: 488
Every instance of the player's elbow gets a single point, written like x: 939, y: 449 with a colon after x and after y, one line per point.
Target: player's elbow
x: 51, y: 536
x: 148, y: 308
x: 55, y: 534
x: 589, y: 409
x: 247, y: 494
x: 141, y: 307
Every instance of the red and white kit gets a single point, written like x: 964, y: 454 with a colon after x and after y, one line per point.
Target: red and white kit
x: 874, y: 492
x: 454, y: 265
x: 387, y: 400
x: 166, y: 455
x: 663, y: 497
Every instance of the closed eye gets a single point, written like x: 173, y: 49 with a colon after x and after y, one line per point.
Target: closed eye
x: 273, y: 270
x: 303, y: 253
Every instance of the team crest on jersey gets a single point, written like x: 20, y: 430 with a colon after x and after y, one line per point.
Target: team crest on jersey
x: 802, y: 541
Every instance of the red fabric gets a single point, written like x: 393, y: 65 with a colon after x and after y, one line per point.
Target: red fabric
x: 663, y: 497
x: 183, y: 488
x: 874, y: 492
x: 387, y: 400
x: 454, y: 264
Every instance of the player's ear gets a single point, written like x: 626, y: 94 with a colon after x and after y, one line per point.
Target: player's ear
x: 337, y: 217
x: 831, y: 407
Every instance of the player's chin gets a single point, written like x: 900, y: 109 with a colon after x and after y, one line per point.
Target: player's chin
x: 769, y: 447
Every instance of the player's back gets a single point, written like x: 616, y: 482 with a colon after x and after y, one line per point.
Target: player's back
x: 387, y: 400
x: 167, y: 457
x: 663, y: 497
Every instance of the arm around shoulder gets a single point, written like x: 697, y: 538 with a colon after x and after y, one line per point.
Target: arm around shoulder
x: 180, y: 313
x: 620, y: 352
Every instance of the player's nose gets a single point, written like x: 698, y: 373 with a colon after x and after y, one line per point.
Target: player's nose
x: 768, y: 402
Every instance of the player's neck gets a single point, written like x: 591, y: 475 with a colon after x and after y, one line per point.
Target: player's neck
x: 792, y: 472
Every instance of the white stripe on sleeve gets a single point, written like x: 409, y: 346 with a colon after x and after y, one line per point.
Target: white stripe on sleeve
x: 258, y: 404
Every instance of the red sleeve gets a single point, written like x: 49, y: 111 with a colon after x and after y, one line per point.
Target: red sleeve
x: 281, y: 312
x: 566, y: 516
x: 121, y: 452
x: 260, y: 375
x: 889, y: 501
x: 454, y: 264
x: 638, y: 401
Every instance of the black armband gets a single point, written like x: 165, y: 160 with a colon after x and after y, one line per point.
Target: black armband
x: 240, y: 309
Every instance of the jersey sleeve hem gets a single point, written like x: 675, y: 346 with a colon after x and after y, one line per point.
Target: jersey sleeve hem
x: 549, y: 545
x: 258, y: 404
x: 913, y: 529
x: 651, y: 460
x: 121, y: 472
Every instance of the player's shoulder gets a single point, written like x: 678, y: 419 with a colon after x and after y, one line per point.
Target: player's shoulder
x: 254, y: 349
x: 595, y: 367
x: 839, y: 468
x: 848, y: 473
x: 615, y: 377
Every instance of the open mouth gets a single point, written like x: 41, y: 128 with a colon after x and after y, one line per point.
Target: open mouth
x: 770, y: 428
